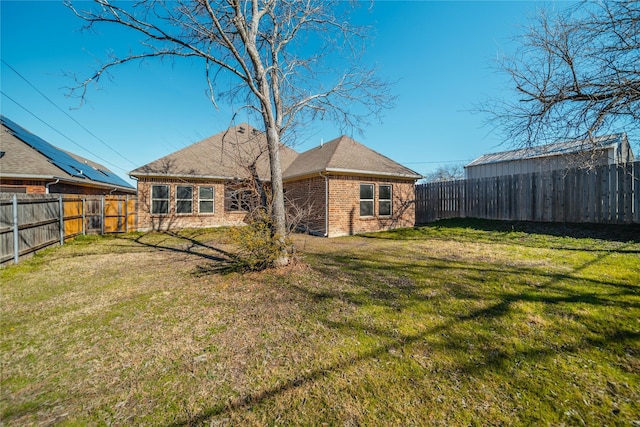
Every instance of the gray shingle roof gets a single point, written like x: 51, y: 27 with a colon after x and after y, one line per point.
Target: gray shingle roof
x: 21, y: 160
x: 555, y: 149
x: 344, y: 155
x: 226, y: 155
x: 29, y: 156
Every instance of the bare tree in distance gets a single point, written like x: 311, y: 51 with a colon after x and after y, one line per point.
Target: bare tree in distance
x: 449, y: 172
x: 576, y: 74
x: 275, y: 52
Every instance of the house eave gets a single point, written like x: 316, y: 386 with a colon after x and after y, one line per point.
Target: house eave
x: 67, y: 180
x: 181, y: 176
x: 351, y: 172
x: 373, y: 173
x: 28, y: 176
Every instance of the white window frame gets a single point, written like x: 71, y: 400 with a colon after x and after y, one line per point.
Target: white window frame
x: 212, y: 199
x: 237, y: 199
x: 183, y: 201
x: 367, y: 200
x: 160, y: 199
x: 389, y: 200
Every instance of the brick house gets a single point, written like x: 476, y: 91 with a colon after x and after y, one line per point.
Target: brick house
x: 338, y: 188
x: 29, y: 164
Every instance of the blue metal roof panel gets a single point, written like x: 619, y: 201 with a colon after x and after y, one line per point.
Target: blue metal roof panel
x: 62, y: 159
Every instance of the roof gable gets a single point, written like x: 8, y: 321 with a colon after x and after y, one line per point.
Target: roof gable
x: 345, y: 155
x: 231, y: 154
x: 33, y: 156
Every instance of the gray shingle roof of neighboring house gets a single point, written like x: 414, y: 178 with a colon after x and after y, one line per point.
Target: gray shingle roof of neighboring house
x: 22, y: 161
x: 344, y: 155
x: 27, y: 156
x: 226, y: 155
x: 555, y: 149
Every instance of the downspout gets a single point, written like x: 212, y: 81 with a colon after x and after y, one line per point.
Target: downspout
x: 326, y: 204
x: 50, y: 183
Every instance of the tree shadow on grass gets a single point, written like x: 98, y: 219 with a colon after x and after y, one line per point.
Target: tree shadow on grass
x: 401, y: 285
x: 219, y: 261
x: 395, y: 279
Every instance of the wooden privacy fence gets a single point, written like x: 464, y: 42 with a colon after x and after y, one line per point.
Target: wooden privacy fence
x: 32, y: 222
x: 606, y: 194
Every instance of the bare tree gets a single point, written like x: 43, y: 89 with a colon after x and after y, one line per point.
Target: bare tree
x: 449, y: 172
x: 576, y: 75
x: 275, y: 52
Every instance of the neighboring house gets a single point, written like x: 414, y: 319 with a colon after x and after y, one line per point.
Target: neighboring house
x: 29, y: 164
x: 338, y: 188
x: 610, y: 149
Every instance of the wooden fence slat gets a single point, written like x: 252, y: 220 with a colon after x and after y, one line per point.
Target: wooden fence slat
x: 636, y: 192
x: 16, y: 230
x: 627, y: 193
x: 604, y: 194
x: 569, y: 193
x: 620, y: 193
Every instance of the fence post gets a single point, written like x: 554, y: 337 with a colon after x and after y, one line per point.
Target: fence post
x: 636, y: 192
x: 16, y: 239
x: 61, y: 210
x: 102, y: 216
x: 84, y: 220
x: 126, y: 213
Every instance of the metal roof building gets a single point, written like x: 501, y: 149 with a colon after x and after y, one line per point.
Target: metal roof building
x: 609, y: 149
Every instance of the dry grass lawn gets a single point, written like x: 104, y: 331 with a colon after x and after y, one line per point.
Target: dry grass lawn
x: 458, y: 323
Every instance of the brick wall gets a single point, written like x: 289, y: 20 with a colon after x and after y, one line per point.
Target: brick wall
x: 344, y: 206
x: 40, y: 187
x: 219, y: 217
x: 305, y: 200
x: 78, y: 189
x: 23, y: 186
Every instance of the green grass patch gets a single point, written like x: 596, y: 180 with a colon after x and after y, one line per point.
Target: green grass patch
x: 457, y: 323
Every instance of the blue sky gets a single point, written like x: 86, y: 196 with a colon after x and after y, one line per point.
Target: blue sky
x: 441, y: 54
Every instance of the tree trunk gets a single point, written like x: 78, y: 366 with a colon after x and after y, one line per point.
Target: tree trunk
x: 278, y: 209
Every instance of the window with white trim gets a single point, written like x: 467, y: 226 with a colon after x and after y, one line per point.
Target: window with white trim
x: 205, y: 200
x: 238, y: 199
x: 184, y: 199
x: 159, y: 199
x: 366, y: 200
x: 384, y: 200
